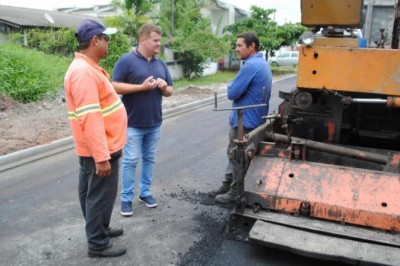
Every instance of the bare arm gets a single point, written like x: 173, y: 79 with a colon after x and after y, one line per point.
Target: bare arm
x: 165, y: 89
x: 127, y: 88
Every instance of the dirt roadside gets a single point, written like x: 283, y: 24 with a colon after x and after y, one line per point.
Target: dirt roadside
x: 27, y: 125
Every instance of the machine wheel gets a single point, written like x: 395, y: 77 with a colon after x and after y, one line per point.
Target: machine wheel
x: 274, y: 64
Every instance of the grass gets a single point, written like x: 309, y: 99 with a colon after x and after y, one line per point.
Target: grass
x: 225, y: 77
x: 283, y: 70
x: 219, y: 77
x: 27, y: 75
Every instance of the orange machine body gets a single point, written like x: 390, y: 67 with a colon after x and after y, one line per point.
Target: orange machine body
x: 340, y: 194
x: 327, y: 166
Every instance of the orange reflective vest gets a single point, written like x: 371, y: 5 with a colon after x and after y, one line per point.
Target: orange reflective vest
x: 97, y: 116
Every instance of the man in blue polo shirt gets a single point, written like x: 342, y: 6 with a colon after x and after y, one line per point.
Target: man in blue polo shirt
x: 251, y: 86
x: 142, y: 78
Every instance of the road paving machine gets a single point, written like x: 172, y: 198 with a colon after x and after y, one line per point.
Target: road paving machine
x: 322, y: 176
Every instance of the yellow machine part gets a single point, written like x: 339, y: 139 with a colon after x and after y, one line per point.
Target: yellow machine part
x: 350, y: 69
x: 331, y: 13
x: 337, y: 42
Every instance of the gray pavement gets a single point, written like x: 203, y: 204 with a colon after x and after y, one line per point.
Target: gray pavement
x: 41, y: 222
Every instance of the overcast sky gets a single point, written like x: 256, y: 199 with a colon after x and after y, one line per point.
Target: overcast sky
x: 287, y: 10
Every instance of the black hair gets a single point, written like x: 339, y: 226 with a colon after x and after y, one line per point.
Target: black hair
x: 84, y: 45
x: 250, y: 37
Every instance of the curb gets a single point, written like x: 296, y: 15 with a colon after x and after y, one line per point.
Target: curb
x: 32, y: 154
x: 19, y: 158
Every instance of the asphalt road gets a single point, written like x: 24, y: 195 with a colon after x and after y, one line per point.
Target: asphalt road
x: 41, y: 222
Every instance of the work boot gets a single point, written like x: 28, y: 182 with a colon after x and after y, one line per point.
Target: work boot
x: 109, y: 251
x: 221, y: 190
x: 228, y: 197
x: 114, y: 232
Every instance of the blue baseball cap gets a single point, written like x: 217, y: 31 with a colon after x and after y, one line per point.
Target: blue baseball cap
x: 89, y: 28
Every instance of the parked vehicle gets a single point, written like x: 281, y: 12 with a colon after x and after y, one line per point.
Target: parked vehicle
x: 285, y: 59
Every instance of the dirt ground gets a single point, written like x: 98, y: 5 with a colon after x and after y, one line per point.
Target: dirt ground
x: 27, y: 125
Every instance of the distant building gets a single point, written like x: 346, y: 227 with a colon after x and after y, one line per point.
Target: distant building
x: 220, y: 13
x: 14, y: 19
x: 98, y: 11
x: 19, y: 19
x: 223, y: 14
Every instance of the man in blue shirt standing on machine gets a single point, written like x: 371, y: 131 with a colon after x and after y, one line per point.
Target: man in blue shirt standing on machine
x: 251, y: 86
x: 142, y: 78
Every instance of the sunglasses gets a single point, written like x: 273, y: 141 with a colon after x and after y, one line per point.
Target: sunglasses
x: 104, y: 37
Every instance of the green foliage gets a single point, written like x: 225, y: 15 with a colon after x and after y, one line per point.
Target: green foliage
x: 63, y: 42
x: 289, y: 33
x: 60, y: 41
x: 225, y: 77
x: 283, y: 70
x: 118, y: 45
x: 135, y: 13
x: 219, y: 77
x: 27, y: 75
x: 192, y: 37
x: 271, y: 35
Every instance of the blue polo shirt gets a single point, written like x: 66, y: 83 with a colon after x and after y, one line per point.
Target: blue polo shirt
x: 144, y: 109
x: 247, y: 89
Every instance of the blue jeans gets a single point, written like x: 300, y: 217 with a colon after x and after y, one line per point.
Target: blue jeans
x: 142, y: 144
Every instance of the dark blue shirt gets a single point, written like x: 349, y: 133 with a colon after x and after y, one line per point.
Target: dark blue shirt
x: 253, y: 78
x: 144, y: 108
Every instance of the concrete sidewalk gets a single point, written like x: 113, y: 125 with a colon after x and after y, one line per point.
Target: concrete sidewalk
x: 18, y: 158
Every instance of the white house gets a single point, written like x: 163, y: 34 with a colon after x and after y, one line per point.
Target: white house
x: 220, y: 13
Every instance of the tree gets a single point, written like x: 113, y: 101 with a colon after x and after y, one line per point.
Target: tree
x: 134, y: 14
x: 271, y: 35
x: 290, y: 33
x: 190, y: 35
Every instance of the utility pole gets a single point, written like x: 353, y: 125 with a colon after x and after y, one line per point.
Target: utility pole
x: 172, y: 17
x: 368, y: 22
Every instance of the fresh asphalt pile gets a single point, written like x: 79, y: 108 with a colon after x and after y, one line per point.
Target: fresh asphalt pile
x: 211, y: 226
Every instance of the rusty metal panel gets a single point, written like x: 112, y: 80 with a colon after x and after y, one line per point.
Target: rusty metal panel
x: 264, y: 175
x: 324, y: 227
x: 331, y: 13
x: 337, y: 193
x: 352, y: 70
x: 323, y: 246
x: 270, y: 149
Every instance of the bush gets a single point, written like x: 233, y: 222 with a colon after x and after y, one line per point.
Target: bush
x: 119, y: 45
x: 63, y: 43
x: 27, y: 75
